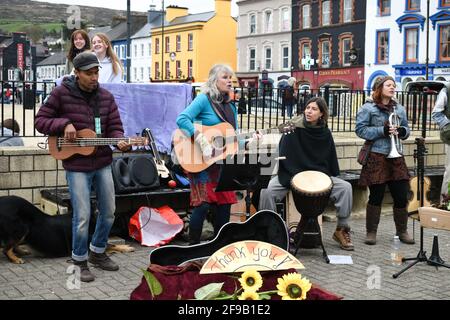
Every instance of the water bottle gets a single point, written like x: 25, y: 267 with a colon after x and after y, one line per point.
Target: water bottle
x: 396, y: 257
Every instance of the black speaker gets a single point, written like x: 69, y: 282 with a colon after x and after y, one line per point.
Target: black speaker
x: 134, y: 173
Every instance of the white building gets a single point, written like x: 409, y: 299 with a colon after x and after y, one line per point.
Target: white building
x: 50, y: 69
x: 396, y: 41
x: 141, y: 48
x: 263, y: 40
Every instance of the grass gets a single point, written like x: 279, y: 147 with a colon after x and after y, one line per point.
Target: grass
x: 17, y: 25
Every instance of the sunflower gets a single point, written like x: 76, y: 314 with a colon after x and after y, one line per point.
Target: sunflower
x: 249, y: 295
x: 251, y: 280
x: 293, y: 287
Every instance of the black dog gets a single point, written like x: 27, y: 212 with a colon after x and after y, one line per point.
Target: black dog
x: 21, y: 221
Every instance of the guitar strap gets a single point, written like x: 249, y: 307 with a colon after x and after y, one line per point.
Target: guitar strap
x: 97, y: 120
x: 221, y: 114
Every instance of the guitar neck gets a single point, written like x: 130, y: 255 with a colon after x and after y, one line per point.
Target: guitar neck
x: 155, y: 152
x: 249, y: 134
x: 91, y: 142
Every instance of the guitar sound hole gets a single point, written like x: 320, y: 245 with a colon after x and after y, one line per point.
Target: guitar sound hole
x: 219, y: 142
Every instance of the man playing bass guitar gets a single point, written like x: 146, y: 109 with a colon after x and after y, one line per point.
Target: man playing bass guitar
x: 79, y: 103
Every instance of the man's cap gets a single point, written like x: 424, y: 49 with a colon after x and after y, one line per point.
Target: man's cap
x: 379, y: 82
x: 85, y: 61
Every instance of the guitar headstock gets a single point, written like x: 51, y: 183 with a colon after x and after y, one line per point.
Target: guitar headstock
x: 287, y: 127
x: 147, y: 133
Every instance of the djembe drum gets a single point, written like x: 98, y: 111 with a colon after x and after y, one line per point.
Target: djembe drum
x: 311, y: 191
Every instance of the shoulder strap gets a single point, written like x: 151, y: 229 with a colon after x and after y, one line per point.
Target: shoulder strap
x: 215, y: 109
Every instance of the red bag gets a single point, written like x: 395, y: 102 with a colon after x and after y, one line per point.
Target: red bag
x: 364, y: 152
x: 154, y: 226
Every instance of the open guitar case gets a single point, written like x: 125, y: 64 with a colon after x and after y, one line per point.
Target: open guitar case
x: 264, y: 225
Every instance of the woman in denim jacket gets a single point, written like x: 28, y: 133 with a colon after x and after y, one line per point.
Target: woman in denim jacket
x: 372, y: 123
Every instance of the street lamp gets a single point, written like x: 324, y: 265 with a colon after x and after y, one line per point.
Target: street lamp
x: 162, y: 41
x: 428, y: 40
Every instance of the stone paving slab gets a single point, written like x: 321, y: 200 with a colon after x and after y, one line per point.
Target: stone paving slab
x: 369, y: 278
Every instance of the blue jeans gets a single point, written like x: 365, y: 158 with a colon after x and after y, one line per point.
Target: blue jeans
x: 222, y: 216
x: 80, y: 184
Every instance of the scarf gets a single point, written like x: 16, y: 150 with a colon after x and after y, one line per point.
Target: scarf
x: 309, y: 147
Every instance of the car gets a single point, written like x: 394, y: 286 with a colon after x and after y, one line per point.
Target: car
x: 432, y: 85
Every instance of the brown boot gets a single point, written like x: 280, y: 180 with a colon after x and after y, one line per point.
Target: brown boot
x: 342, y: 236
x: 372, y: 221
x: 401, y: 224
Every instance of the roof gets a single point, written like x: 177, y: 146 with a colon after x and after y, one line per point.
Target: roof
x: 119, y: 32
x: 104, y: 29
x: 199, y: 17
x: 144, y: 32
x: 56, y: 59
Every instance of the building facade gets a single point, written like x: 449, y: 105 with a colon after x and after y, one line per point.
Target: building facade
x: 397, y: 41
x: 188, y: 45
x: 17, y: 58
x: 263, y: 41
x: 141, y: 48
x: 328, y: 43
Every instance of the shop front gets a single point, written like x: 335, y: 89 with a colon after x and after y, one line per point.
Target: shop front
x: 343, y: 78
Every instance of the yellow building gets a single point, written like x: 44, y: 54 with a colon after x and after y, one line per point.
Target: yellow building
x: 193, y: 43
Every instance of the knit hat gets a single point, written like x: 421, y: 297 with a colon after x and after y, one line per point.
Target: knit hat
x: 379, y: 82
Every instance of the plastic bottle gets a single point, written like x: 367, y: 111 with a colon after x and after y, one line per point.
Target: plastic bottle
x: 396, y: 257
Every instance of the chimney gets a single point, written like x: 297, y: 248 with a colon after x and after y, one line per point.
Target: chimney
x: 152, y: 14
x: 173, y: 12
x: 223, y: 8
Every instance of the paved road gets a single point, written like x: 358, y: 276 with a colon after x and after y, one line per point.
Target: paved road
x: 46, y: 279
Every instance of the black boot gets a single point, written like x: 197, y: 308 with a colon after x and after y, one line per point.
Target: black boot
x: 401, y: 224
x: 85, y: 273
x: 194, y: 235
x: 372, y: 221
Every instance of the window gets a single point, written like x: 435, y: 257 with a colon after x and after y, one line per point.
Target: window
x: 346, y: 44
x: 116, y: 50
x: 190, y: 42
x: 444, y: 43
x: 167, y: 49
x: 157, y: 45
x: 325, y: 53
x: 252, y: 59
x: 444, y: 3
x: 178, y: 68
x: 411, y: 47
x: 135, y: 74
x: 304, y: 52
x: 285, y: 57
x: 326, y: 13
x: 268, y: 58
x: 149, y: 73
x: 135, y: 50
x: 142, y: 49
x: 252, y: 21
x: 189, y: 65
x: 384, y: 7
x: 157, y: 73
x: 306, y: 16
x: 178, y: 48
x: 347, y: 10
x: 123, y: 52
x: 285, y: 19
x: 167, y: 69
x: 149, y: 49
x: 268, y: 21
x: 382, y: 47
x: 142, y: 74
x: 412, y: 5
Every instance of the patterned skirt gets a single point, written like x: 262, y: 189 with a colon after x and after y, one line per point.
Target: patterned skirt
x: 380, y: 170
x: 203, y: 185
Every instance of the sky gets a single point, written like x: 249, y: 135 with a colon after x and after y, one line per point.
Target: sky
x: 195, y: 6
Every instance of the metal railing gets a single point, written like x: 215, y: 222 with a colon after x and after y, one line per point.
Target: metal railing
x: 258, y: 108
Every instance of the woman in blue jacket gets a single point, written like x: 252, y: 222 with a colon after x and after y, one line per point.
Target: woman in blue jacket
x: 372, y: 123
x: 215, y: 92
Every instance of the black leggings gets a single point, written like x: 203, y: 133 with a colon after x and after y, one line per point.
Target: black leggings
x: 399, y: 191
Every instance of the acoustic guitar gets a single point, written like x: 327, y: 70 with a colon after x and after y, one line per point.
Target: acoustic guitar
x: 223, y: 139
x: 85, y: 144
x: 160, y: 165
x: 414, y: 202
x: 265, y: 225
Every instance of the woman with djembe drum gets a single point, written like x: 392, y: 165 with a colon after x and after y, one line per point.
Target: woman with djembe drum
x: 311, y: 148
x: 383, y: 121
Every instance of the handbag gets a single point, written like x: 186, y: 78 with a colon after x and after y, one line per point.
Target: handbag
x: 364, y: 152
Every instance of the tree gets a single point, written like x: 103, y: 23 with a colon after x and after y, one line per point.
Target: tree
x: 35, y: 32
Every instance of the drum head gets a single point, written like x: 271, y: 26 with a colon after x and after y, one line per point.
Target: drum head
x: 311, y: 182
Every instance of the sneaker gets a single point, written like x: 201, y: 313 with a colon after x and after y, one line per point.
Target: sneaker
x: 85, y: 273
x: 102, y: 261
x: 342, y: 236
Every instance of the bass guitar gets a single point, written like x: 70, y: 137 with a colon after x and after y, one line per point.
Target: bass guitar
x: 85, y: 144
x: 223, y: 139
x: 160, y: 165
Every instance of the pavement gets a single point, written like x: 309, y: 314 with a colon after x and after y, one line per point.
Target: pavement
x: 368, y: 278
